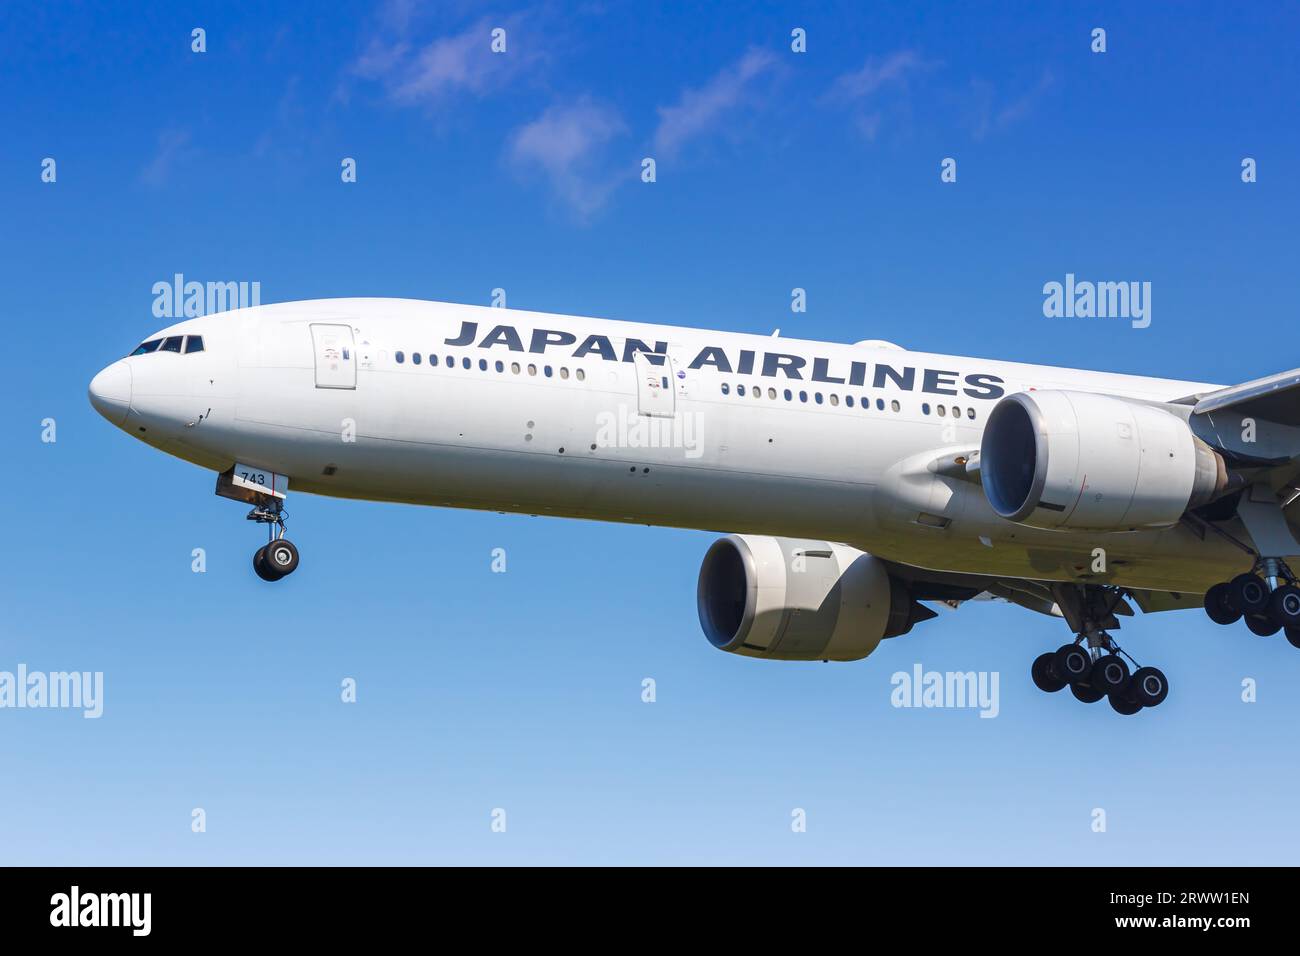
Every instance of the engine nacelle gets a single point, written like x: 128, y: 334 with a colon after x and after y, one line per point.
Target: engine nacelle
x: 795, y: 600
x: 1079, y: 461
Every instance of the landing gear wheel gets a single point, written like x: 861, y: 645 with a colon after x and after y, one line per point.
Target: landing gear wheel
x: 1149, y: 686
x: 1262, y: 625
x: 281, y: 557
x: 1044, y: 677
x: 1072, y: 663
x: 264, y: 571
x: 1124, y: 704
x: 1086, y: 693
x: 1219, y: 606
x: 1293, y: 635
x: 1109, y: 674
x: 1284, y: 606
x: 1249, y: 593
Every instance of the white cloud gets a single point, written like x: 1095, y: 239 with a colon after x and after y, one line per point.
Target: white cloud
x: 567, y: 145
x: 699, y: 111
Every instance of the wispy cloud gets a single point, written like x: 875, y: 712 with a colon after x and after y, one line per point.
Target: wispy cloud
x: 455, y: 63
x: 878, y: 72
x: 880, y: 86
x: 706, y: 109
x: 173, y: 147
x: 987, y: 115
x: 567, y: 144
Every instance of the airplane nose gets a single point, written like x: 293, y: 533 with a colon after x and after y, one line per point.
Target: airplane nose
x: 110, y: 392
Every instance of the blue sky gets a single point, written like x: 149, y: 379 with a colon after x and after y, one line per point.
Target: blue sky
x: 521, y: 171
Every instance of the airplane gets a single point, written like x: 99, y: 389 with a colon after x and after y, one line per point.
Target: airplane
x: 856, y: 483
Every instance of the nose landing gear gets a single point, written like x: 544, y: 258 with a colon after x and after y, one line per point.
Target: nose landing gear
x: 279, y: 556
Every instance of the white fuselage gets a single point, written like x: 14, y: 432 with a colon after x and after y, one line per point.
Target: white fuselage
x: 556, y: 415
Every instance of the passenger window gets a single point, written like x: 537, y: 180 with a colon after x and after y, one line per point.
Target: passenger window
x: 514, y: 367
x: 818, y: 398
x: 725, y: 388
x: 581, y: 375
x: 400, y: 356
x: 172, y: 343
x: 547, y: 371
x: 501, y: 367
x: 848, y: 400
x: 451, y: 362
x: 970, y: 413
x: 433, y: 360
x: 788, y: 396
x: 835, y: 399
x: 771, y: 393
x: 415, y: 358
x: 895, y: 406
x: 532, y: 370
x: 564, y: 372
x: 465, y: 363
x: 482, y: 365
x: 194, y: 343
x: 740, y: 390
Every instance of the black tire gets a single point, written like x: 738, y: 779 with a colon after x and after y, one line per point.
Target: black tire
x: 1249, y: 594
x: 1262, y: 625
x: 1284, y: 606
x: 1072, y: 663
x: 1045, y: 678
x: 281, y: 557
x: 1293, y: 635
x: 1086, y: 693
x: 1109, y: 674
x: 1219, y: 606
x: 264, y: 571
x: 1149, y: 686
x: 1123, y: 704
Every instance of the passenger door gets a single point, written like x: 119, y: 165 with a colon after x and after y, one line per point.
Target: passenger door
x: 655, y: 391
x: 336, y: 360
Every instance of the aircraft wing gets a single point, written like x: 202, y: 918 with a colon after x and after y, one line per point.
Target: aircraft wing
x: 1044, y: 597
x: 1275, y: 398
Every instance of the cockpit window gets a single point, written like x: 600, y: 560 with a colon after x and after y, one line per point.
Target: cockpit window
x: 194, y: 344
x: 146, y: 347
x: 172, y: 343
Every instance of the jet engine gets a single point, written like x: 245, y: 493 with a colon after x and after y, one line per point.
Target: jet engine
x: 795, y: 600
x: 1079, y: 461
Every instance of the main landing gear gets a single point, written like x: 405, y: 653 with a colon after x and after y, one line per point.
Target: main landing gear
x: 1099, y: 670
x: 278, y: 557
x: 1267, y: 597
x: 1094, y: 666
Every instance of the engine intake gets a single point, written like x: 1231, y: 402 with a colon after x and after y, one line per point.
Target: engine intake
x: 798, y: 600
x: 1079, y: 461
